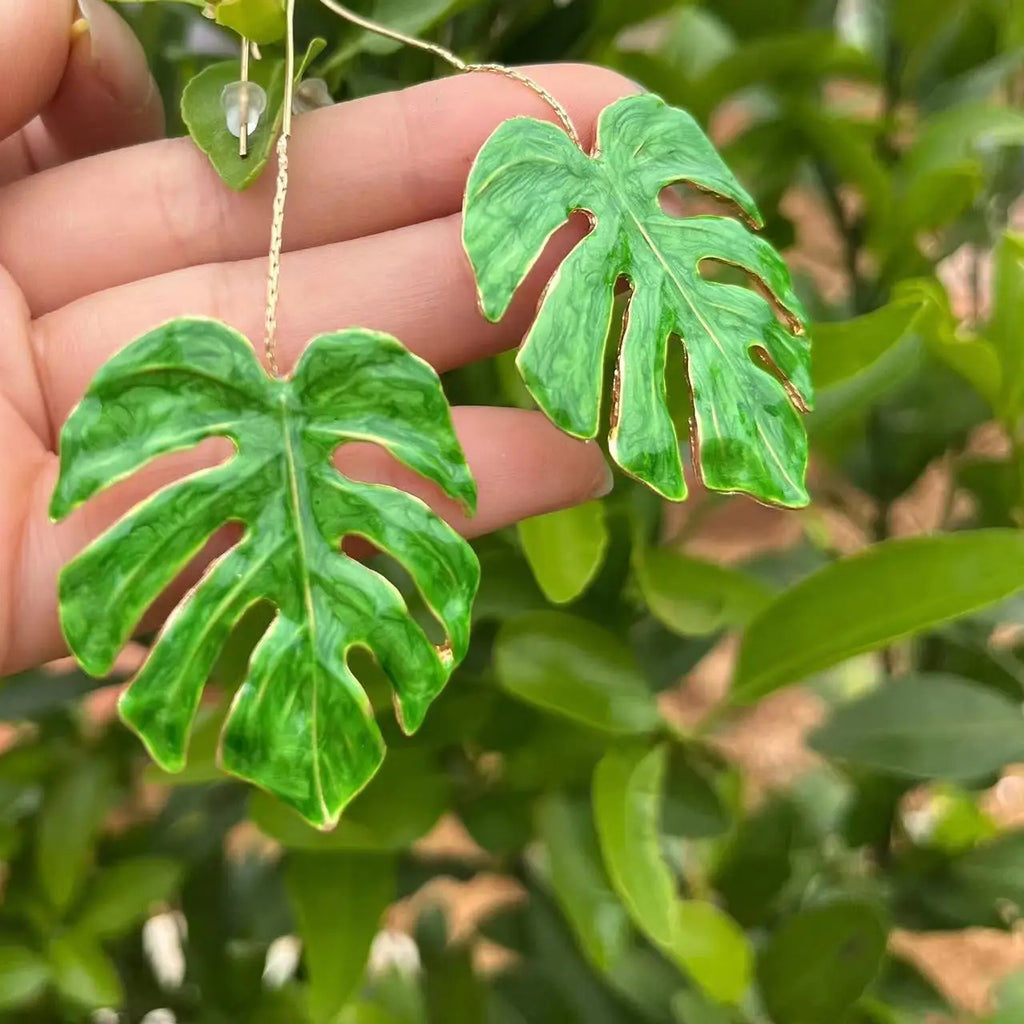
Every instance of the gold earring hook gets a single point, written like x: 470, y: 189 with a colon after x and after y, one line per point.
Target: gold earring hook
x: 243, y: 135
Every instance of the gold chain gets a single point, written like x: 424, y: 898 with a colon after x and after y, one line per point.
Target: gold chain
x: 281, y: 195
x: 457, y: 62
x: 280, y: 198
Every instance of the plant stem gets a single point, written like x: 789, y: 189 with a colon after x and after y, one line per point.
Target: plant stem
x: 457, y: 62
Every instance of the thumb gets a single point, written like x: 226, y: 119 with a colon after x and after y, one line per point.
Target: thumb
x: 81, y: 85
x: 34, y: 48
x: 107, y: 97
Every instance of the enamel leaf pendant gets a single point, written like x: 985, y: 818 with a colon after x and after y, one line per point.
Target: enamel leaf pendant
x: 749, y: 374
x: 301, y: 725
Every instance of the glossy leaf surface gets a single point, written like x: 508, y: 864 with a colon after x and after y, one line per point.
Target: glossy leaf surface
x: 566, y: 549
x: 526, y: 182
x: 697, y: 936
x: 574, y: 668
x: 861, y: 603
x: 301, y: 725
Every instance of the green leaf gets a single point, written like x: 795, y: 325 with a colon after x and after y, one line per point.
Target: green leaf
x: 579, y: 882
x: 571, y: 667
x: 566, y: 549
x: 262, y: 21
x: 962, y: 133
x: 858, y: 604
x: 83, y: 974
x: 125, y: 893
x: 696, y: 936
x: 1004, y: 331
x: 67, y: 828
x: 981, y: 888
x: 820, y: 961
x: 1009, y: 1000
x: 527, y: 180
x: 693, y: 806
x: 301, y: 725
x: 400, y: 805
x: 37, y: 694
x: 842, y: 350
x: 23, y: 976
x: 756, y: 863
x: 203, y: 115
x: 338, y: 899
x: 926, y: 727
x: 691, y: 1008
x: 697, y: 598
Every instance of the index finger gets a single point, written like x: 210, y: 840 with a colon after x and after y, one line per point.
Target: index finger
x: 34, y: 48
x: 359, y: 168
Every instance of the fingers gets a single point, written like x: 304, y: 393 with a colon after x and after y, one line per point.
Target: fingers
x: 359, y: 168
x: 414, y: 283
x: 523, y: 466
x: 33, y: 51
x: 104, y: 97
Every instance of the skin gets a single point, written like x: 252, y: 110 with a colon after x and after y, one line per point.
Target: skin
x: 107, y: 229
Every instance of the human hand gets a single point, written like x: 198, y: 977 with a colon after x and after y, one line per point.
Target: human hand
x: 96, y: 250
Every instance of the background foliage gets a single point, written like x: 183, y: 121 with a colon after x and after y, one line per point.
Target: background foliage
x: 661, y: 872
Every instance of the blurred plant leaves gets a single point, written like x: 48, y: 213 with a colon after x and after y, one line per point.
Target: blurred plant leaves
x: 24, y: 975
x: 579, y: 883
x: 34, y: 695
x: 697, y: 936
x: 1007, y: 324
x: 262, y: 21
x: 83, y: 974
x: 571, y: 667
x: 926, y: 727
x: 981, y: 887
x: 125, y: 893
x: 693, y: 597
x: 864, y: 602
x: 566, y: 549
x: 339, y: 899
x: 68, y: 825
x: 756, y: 862
x: 400, y: 805
x: 820, y: 961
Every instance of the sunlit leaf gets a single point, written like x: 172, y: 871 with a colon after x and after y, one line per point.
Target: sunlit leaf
x: 873, y: 598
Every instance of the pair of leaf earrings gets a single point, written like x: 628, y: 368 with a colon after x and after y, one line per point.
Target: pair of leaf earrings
x: 301, y: 726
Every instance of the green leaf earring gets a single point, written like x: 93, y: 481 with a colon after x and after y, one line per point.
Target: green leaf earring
x: 300, y: 726
x: 749, y: 373
x: 748, y: 370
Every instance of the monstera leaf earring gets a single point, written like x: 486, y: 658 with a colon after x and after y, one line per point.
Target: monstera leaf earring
x: 747, y: 355
x: 300, y: 726
x: 749, y: 373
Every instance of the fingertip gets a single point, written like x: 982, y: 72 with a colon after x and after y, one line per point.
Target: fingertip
x: 107, y: 97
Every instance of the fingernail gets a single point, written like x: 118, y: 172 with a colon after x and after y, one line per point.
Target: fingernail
x: 606, y: 484
x: 118, y: 59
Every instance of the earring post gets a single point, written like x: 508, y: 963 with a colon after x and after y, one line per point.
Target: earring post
x: 243, y: 135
